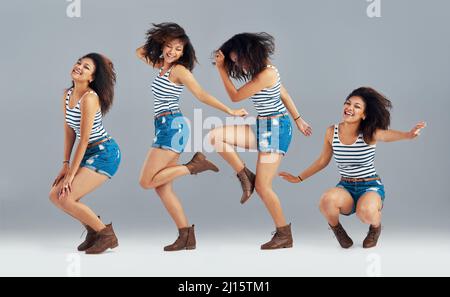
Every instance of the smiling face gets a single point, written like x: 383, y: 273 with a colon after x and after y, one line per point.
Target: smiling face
x: 173, y: 51
x: 83, y: 70
x: 354, y: 110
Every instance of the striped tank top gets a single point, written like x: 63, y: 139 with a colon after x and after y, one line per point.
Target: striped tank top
x: 356, y: 160
x: 167, y: 94
x: 73, y: 119
x: 268, y: 101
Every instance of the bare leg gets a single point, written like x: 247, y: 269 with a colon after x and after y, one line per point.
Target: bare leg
x: 225, y: 139
x: 265, y: 173
x: 334, y: 202
x: 172, y: 203
x: 369, y: 209
x: 85, y: 182
x: 156, y: 172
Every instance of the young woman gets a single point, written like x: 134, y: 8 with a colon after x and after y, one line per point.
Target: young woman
x: 169, y: 49
x: 246, y: 57
x: 97, y: 156
x: 366, y: 119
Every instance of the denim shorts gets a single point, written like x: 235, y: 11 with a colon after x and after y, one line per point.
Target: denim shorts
x: 358, y: 189
x: 171, y: 133
x: 103, y: 158
x: 274, y: 134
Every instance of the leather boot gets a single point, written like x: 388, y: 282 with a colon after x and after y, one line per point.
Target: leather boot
x: 247, y: 179
x: 341, y: 235
x: 281, y: 240
x: 89, y: 241
x: 199, y: 164
x: 106, y: 239
x: 372, y: 237
x: 186, y: 240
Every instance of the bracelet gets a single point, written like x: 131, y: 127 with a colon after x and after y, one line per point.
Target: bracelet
x: 68, y: 162
x: 299, y: 117
x: 300, y: 178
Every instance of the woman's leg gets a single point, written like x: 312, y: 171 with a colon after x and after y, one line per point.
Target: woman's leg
x: 225, y: 139
x: 172, y: 203
x: 85, y: 182
x: 265, y: 173
x: 335, y: 202
x: 369, y: 209
x: 157, y: 170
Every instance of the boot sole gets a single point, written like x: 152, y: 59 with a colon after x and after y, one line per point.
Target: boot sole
x: 190, y: 248
x: 113, y: 246
x: 281, y: 248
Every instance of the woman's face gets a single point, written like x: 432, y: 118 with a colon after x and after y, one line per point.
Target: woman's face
x: 173, y: 51
x: 235, y: 59
x: 354, y: 110
x: 83, y: 70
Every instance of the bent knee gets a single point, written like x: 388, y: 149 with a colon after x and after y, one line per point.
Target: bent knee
x: 145, y: 184
x: 328, y: 201
x: 213, y: 135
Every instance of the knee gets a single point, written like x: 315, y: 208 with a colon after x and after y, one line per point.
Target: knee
x: 145, y: 184
x: 212, y: 136
x: 262, y: 188
x: 327, y: 202
x: 366, y: 212
x: 53, y: 196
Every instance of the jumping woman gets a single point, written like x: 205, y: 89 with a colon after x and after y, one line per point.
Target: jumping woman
x: 366, y: 120
x: 246, y: 57
x: 97, y: 156
x: 170, y: 50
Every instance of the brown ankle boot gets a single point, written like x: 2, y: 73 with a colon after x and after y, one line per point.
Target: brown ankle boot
x: 281, y: 240
x: 186, y: 241
x: 372, y: 237
x: 89, y: 241
x: 341, y: 235
x: 106, y: 239
x: 199, y: 164
x: 247, y: 179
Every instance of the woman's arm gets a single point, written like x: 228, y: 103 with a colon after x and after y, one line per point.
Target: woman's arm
x: 89, y: 107
x: 187, y: 78
x: 69, y: 140
x: 142, y: 55
x: 393, y: 135
x: 303, y: 126
x: 318, y: 165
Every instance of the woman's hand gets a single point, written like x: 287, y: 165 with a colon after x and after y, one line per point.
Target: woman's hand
x: 219, y: 59
x: 61, y: 175
x: 290, y: 178
x: 66, y: 186
x: 415, y: 132
x: 304, y: 127
x: 238, y: 113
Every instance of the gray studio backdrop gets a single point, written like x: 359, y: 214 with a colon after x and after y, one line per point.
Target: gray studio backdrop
x: 325, y: 48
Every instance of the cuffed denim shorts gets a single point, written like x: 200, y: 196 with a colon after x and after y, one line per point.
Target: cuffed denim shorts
x: 358, y: 189
x: 274, y: 133
x: 103, y: 158
x: 171, y: 133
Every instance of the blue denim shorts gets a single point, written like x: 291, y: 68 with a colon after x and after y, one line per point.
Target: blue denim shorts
x: 171, y: 133
x: 358, y: 189
x: 274, y: 134
x: 103, y: 158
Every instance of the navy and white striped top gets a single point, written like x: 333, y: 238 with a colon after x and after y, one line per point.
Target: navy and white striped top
x: 73, y: 119
x: 356, y: 160
x: 167, y: 94
x: 268, y: 101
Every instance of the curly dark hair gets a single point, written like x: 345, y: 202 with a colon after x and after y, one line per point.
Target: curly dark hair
x: 162, y: 33
x: 253, y: 50
x: 377, y: 111
x: 104, y: 80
